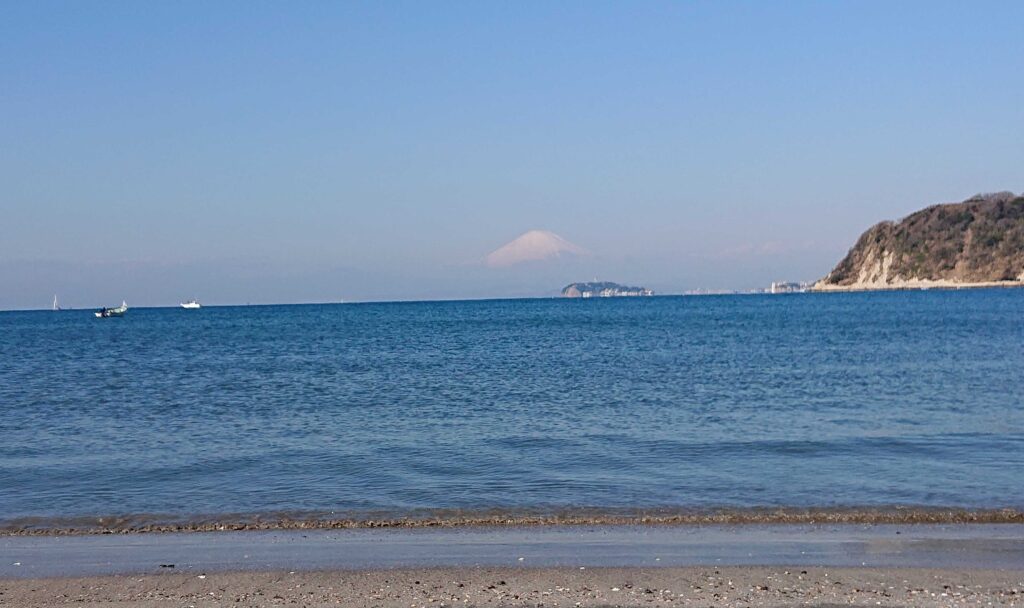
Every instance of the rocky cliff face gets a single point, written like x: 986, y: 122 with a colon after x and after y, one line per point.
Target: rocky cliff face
x: 977, y: 242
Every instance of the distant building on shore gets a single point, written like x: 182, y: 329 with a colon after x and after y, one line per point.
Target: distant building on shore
x: 785, y: 287
x: 602, y: 289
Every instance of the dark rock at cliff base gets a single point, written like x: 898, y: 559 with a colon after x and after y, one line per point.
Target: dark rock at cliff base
x: 978, y: 241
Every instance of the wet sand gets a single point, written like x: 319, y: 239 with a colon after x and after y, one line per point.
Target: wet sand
x: 511, y: 586
x: 979, y: 546
x: 566, y: 566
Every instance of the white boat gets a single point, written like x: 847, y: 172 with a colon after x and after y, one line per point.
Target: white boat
x: 55, y: 305
x: 190, y: 304
x: 105, y: 313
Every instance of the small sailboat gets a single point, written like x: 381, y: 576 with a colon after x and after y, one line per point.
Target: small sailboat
x: 56, y: 306
x: 105, y: 313
x: 191, y: 304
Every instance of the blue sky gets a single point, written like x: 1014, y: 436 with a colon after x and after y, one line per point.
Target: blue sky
x: 279, y: 152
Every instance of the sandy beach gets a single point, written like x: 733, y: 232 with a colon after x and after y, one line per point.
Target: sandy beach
x: 511, y: 586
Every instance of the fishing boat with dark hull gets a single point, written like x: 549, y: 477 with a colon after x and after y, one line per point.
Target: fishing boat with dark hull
x: 106, y: 313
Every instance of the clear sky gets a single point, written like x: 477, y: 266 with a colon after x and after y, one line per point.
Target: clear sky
x: 316, y: 151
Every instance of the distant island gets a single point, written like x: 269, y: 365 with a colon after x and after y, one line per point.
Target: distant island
x: 602, y: 289
x: 976, y: 243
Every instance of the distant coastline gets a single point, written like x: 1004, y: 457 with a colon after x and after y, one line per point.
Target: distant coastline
x: 819, y: 287
x: 603, y: 289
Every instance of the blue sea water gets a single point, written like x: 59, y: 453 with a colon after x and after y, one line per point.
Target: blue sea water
x: 811, y: 400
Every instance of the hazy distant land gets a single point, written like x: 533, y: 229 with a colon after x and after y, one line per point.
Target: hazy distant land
x: 603, y: 289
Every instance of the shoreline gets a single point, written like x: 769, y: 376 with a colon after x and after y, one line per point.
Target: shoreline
x: 916, y: 285
x: 558, y: 587
x: 458, y: 519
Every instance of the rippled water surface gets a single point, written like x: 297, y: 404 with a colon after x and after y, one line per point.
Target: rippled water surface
x: 695, y: 402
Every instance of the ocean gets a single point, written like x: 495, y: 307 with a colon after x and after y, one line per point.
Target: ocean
x: 885, y: 401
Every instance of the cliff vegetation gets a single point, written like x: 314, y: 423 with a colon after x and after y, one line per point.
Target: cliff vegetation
x: 974, y: 243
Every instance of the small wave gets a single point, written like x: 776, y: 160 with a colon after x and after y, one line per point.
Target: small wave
x: 150, y: 523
